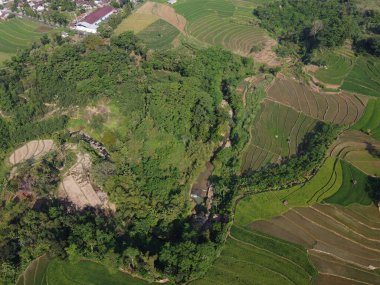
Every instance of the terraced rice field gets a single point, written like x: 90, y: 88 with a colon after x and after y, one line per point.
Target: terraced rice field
x: 250, y: 257
x: 342, y: 242
x: 43, y: 271
x: 338, y: 66
x: 266, y: 205
x: 276, y: 132
x: 353, y: 188
x: 31, y: 150
x: 136, y: 22
x: 370, y: 121
x: 159, y: 35
x: 222, y: 23
x: 364, y: 77
x: 340, y: 108
x: 358, y: 149
x: 17, y: 34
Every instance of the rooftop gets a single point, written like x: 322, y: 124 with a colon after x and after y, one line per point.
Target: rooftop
x: 97, y: 14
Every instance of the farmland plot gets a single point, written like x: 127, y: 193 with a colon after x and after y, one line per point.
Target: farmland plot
x: 31, y: 150
x: 339, y: 108
x: 358, y: 149
x: 364, y: 77
x: 17, y: 34
x: 250, y: 257
x: 276, y: 132
x: 332, y: 234
x: 266, y: 205
x: 370, y: 121
x: 223, y: 23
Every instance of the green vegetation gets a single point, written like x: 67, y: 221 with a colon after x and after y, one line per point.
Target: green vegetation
x: 353, y: 188
x: 266, y: 205
x: 364, y: 77
x: 335, y: 66
x: 159, y: 35
x: 276, y: 133
x: 16, y: 34
x: 82, y: 272
x: 222, y: 23
x: 370, y: 121
x: 250, y: 256
x: 311, y: 24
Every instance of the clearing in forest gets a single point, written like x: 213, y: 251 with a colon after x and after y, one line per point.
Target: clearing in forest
x: 276, y: 133
x: 341, y: 241
x: 31, y: 150
x: 340, y: 108
x: 77, y: 188
x: 358, y: 149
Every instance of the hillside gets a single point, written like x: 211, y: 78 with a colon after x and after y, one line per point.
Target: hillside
x: 203, y: 142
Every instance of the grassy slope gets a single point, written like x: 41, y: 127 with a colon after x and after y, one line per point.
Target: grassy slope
x: 370, y: 121
x: 269, y: 204
x: 159, y: 35
x: 351, y: 192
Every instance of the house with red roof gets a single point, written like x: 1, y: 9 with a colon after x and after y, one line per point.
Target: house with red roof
x: 90, y: 23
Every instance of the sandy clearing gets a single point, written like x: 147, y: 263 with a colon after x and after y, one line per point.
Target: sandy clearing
x: 267, y: 55
x: 32, y: 149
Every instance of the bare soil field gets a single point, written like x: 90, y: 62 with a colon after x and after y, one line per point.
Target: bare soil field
x: 31, y: 150
x: 77, y: 188
x: 339, y: 108
x: 340, y: 242
x: 165, y: 13
x: 358, y: 149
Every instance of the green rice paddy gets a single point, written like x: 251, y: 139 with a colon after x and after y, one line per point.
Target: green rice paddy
x: 17, y: 34
x: 250, y: 257
x: 54, y: 272
x: 370, y: 120
x: 352, y: 189
x: 266, y: 205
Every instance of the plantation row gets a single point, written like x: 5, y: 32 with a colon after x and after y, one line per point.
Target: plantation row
x: 335, y: 108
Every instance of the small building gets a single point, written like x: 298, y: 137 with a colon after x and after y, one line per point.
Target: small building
x: 90, y: 23
x: 171, y: 2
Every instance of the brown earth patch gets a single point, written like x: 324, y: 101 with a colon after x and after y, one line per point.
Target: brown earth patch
x: 340, y: 108
x: 166, y: 13
x: 31, y: 150
x: 267, y: 55
x: 77, y: 188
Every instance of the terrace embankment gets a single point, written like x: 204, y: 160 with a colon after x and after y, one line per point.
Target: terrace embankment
x: 342, y: 242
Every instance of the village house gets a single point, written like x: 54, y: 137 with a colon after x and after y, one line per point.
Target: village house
x: 90, y: 23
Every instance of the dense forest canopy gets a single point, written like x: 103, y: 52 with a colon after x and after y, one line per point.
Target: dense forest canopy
x: 313, y: 24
